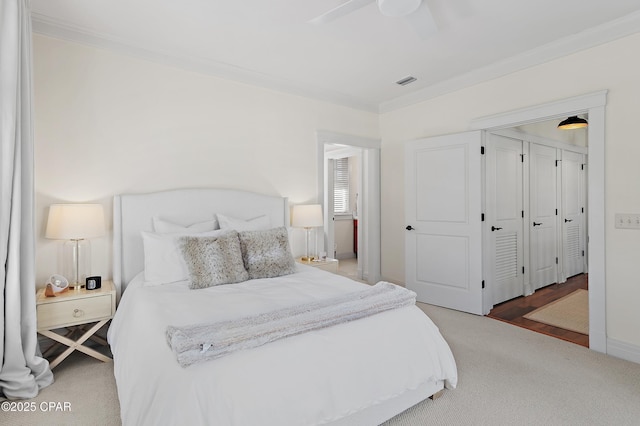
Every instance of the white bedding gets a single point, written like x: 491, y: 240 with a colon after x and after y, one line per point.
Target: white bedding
x: 315, y: 378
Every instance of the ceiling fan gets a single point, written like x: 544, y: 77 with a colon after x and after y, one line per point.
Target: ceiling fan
x: 415, y: 11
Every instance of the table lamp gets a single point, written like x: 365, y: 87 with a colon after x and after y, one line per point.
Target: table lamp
x: 75, y: 223
x: 307, y: 216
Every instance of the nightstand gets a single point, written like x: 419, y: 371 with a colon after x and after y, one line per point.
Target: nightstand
x: 74, y: 310
x: 327, y: 264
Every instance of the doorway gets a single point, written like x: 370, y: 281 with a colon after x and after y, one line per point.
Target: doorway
x: 539, y: 169
x: 459, y: 193
x: 367, y: 205
x: 344, y: 186
x: 535, y: 207
x: 592, y: 104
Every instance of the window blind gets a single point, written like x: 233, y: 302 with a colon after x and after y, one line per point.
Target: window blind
x: 341, y: 185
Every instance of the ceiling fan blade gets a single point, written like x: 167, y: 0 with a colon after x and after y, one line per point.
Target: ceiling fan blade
x: 422, y: 22
x: 339, y: 11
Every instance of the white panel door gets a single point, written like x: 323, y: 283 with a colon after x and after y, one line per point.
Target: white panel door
x: 505, y: 217
x: 543, y: 216
x: 572, y: 214
x: 443, y: 243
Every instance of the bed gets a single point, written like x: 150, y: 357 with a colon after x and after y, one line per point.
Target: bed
x: 360, y: 372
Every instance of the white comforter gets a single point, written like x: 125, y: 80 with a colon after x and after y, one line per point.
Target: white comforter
x: 314, y: 378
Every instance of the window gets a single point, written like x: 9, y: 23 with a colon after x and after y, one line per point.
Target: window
x: 341, y: 185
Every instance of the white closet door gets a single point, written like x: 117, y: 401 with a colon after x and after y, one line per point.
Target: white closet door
x: 543, y: 216
x: 504, y: 219
x: 572, y: 212
x: 443, y: 207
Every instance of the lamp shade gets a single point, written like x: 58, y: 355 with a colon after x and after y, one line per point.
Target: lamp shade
x: 573, y: 122
x: 75, y: 221
x: 306, y: 216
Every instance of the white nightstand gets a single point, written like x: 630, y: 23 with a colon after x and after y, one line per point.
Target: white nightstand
x: 327, y: 264
x: 73, y: 310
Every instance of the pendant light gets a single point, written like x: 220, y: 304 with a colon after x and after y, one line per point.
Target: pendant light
x: 573, y: 122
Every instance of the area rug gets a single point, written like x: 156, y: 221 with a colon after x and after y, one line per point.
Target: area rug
x: 570, y: 312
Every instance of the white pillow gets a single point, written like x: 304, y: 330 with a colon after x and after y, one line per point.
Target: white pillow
x: 259, y: 223
x: 163, y: 263
x: 162, y: 226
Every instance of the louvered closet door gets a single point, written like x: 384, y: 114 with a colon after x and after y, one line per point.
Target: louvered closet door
x: 572, y: 210
x: 543, y: 220
x: 504, y: 219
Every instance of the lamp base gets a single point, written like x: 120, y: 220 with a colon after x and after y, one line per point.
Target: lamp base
x: 76, y: 262
x: 307, y: 258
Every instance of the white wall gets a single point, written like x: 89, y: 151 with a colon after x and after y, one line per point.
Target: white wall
x: 107, y: 123
x: 609, y: 66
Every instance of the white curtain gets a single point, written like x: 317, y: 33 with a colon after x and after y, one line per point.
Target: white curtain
x: 22, y: 371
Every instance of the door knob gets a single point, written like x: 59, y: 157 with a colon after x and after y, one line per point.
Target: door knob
x: 409, y: 228
x: 493, y: 228
x: 568, y: 220
x: 537, y: 224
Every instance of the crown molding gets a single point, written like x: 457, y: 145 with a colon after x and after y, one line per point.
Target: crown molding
x: 587, y: 39
x: 47, y: 26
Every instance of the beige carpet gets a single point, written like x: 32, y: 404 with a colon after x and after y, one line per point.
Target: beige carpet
x: 507, y: 376
x: 86, y: 384
x: 570, y: 312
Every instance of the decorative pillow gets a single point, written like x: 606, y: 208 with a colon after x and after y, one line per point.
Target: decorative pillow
x: 255, y: 224
x: 163, y: 263
x: 162, y: 226
x: 213, y: 260
x: 267, y: 254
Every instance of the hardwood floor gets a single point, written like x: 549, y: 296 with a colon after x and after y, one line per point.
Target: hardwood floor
x: 512, y: 311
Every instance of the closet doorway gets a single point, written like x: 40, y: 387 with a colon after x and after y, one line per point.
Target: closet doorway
x: 536, y: 208
x: 593, y: 105
x: 446, y: 284
x: 539, y: 169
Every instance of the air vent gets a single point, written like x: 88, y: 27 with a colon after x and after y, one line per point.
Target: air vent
x: 406, y: 80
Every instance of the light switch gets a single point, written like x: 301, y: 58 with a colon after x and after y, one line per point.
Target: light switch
x: 627, y: 221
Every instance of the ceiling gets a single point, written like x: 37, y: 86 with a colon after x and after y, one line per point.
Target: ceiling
x: 354, y: 60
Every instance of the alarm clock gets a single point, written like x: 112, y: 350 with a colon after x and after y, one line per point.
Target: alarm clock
x: 93, y: 283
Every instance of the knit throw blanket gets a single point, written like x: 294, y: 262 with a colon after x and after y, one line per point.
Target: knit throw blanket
x: 202, y: 342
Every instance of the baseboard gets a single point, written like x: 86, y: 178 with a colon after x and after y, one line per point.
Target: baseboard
x: 623, y: 350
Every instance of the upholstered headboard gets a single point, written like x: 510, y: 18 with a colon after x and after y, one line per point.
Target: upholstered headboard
x: 133, y: 213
